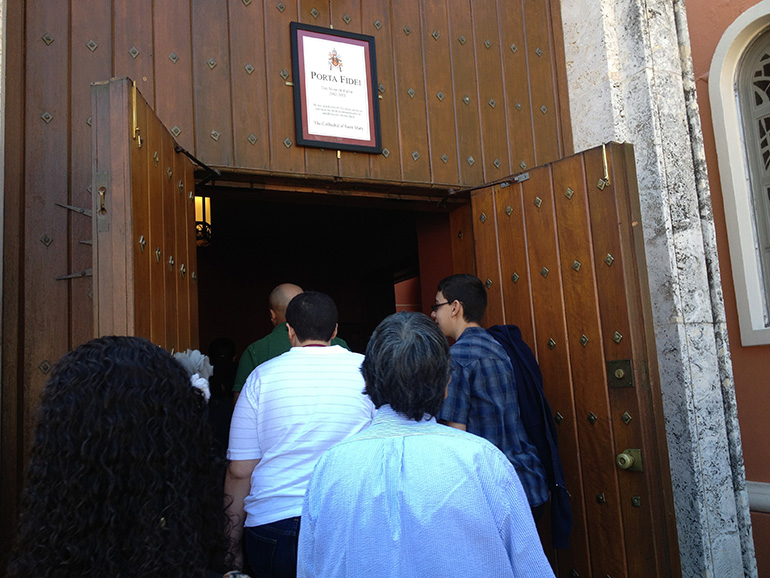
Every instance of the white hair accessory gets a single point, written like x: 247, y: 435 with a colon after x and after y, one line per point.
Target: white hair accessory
x: 198, y: 368
x: 201, y: 383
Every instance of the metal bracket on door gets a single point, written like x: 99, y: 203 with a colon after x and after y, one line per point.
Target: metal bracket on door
x: 620, y: 373
x: 604, y: 181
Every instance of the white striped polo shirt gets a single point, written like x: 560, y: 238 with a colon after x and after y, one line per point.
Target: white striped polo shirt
x: 291, y: 410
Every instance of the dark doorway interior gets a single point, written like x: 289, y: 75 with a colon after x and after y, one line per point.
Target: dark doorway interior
x: 354, y: 253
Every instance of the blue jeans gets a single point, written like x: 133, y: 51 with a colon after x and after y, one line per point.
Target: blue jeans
x: 272, y: 549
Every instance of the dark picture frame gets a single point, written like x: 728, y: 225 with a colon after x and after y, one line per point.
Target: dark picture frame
x: 336, y: 104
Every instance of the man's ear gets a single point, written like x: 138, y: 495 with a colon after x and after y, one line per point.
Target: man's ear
x: 273, y: 317
x: 457, y: 309
x: 336, y: 326
x: 292, y: 336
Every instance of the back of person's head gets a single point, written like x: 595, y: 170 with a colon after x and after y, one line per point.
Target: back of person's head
x: 122, y: 479
x: 221, y: 351
x: 407, y: 365
x: 281, y: 296
x: 468, y: 290
x: 313, y: 316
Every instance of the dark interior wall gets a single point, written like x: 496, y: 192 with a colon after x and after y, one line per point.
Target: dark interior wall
x: 353, y: 254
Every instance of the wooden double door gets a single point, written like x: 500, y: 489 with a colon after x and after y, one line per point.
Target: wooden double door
x: 561, y: 251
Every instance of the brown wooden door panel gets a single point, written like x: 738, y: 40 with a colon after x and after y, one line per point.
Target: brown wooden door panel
x: 169, y: 257
x: 143, y: 223
x: 438, y: 82
x: 461, y: 227
x: 173, y: 67
x: 465, y: 93
x: 285, y: 156
x: 541, y: 74
x: 155, y: 244
x: 544, y: 244
x: 491, y: 90
x: 141, y: 160
x: 247, y: 53
x: 378, y: 12
x: 514, y: 69
x: 132, y: 43
x: 409, y: 92
x: 211, y: 70
x: 182, y: 219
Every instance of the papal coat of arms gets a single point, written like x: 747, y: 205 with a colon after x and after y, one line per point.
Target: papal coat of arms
x: 334, y: 60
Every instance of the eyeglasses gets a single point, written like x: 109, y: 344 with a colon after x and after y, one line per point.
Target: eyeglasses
x: 435, y: 306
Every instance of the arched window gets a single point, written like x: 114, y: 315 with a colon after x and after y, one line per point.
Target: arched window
x: 754, y: 98
x: 739, y: 91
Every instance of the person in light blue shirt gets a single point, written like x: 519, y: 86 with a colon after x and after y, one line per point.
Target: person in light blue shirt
x: 408, y: 496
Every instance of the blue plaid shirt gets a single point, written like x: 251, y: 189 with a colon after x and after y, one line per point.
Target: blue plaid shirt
x: 483, y: 396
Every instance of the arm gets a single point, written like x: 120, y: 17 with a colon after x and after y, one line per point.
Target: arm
x: 306, y: 542
x: 237, y: 487
x: 245, y: 367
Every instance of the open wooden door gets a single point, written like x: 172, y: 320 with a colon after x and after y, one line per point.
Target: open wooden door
x: 144, y: 262
x: 562, y: 254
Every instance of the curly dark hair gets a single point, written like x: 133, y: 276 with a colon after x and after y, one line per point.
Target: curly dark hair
x: 123, y: 480
x: 407, y: 365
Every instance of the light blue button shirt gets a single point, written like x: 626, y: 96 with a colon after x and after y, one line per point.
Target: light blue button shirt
x: 405, y: 498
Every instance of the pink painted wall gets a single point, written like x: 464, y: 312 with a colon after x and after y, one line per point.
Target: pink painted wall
x: 708, y: 19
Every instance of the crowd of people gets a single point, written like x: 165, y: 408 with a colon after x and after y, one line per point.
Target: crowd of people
x: 410, y: 460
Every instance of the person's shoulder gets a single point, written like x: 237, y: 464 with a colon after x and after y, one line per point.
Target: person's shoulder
x: 476, y: 343
x: 345, y: 354
x: 474, y: 447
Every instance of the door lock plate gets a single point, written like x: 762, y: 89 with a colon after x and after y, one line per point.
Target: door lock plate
x: 619, y: 373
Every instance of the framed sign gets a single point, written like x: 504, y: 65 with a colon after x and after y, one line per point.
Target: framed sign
x: 335, y: 89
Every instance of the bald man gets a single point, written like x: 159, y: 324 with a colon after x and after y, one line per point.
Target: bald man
x: 277, y: 341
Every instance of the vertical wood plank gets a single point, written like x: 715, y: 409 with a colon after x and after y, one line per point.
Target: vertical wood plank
x: 346, y: 15
x: 248, y: 77
x: 182, y: 219
x: 45, y: 234
x: 541, y: 76
x: 111, y: 185
x: 133, y: 44
x: 173, y: 62
x: 466, y: 101
x: 490, y: 91
x: 141, y: 159
x: 376, y: 15
x: 211, y: 80
x: 170, y: 259
x: 442, y: 133
x: 461, y: 228
x: 410, y: 92
x: 13, y: 429
x: 588, y: 369
x: 486, y: 252
x: 155, y: 245
x: 514, y: 266
x: 285, y: 156
x: 561, y: 86
x: 517, y: 97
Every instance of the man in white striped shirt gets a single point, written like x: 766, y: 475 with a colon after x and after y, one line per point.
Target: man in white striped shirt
x: 291, y: 410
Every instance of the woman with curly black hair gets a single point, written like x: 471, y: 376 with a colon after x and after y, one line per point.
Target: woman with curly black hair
x: 122, y: 480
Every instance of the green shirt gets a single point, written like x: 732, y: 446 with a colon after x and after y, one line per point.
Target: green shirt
x: 272, y: 345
